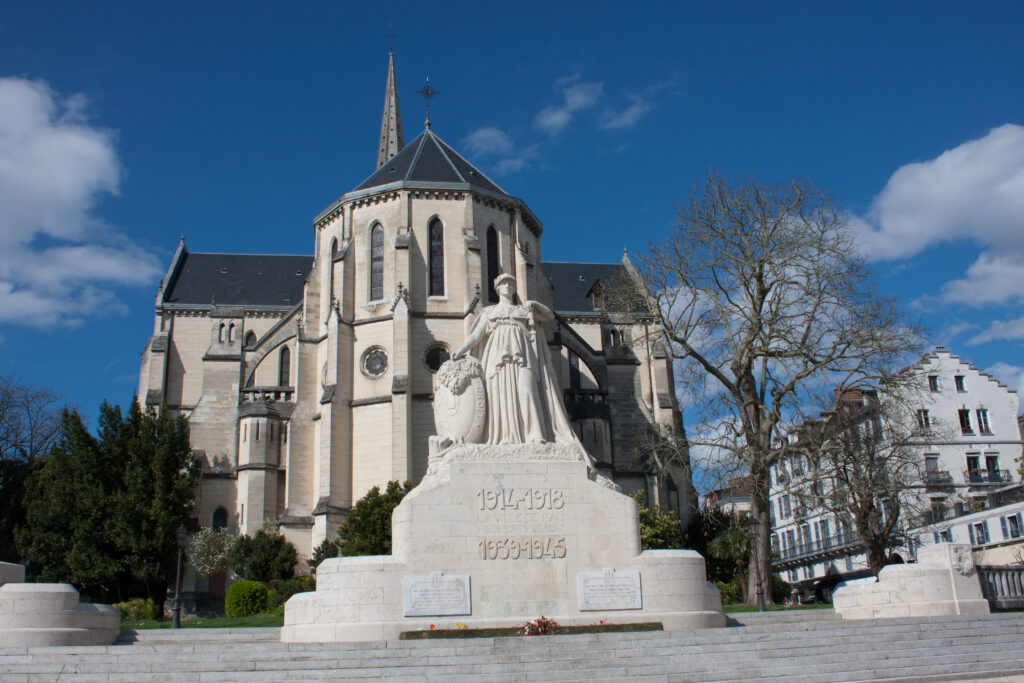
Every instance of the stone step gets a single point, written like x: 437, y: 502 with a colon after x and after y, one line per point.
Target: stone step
x: 822, y: 649
x: 783, y: 617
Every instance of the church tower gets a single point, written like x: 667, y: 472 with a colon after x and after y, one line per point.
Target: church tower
x: 308, y: 380
x: 391, y: 142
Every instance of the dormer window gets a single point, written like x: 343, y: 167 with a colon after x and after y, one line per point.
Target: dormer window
x: 597, y: 295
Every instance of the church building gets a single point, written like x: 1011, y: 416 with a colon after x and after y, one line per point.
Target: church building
x: 307, y: 380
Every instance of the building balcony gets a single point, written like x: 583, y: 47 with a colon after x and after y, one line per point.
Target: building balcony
x: 984, y: 477
x: 586, y: 403
x: 938, y: 479
x: 831, y: 546
x: 251, y: 394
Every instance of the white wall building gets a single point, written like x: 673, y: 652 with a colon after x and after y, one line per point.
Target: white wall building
x: 970, y: 444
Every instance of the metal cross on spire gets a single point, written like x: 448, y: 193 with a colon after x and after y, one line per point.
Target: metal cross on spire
x: 391, y: 37
x: 428, y: 93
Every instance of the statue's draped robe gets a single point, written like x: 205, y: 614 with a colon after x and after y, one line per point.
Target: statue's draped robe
x: 524, y: 398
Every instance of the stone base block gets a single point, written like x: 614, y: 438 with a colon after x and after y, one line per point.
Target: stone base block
x: 43, y: 614
x: 11, y: 573
x: 501, y: 535
x: 944, y: 582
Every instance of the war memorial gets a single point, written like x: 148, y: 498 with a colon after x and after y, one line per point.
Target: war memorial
x: 511, y: 520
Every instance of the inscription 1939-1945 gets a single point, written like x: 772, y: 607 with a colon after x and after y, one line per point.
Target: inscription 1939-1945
x: 521, y: 499
x: 522, y: 548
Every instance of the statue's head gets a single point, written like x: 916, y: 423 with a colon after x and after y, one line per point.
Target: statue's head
x: 507, y: 280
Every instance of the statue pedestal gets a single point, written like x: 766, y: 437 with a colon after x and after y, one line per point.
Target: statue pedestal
x: 496, y: 536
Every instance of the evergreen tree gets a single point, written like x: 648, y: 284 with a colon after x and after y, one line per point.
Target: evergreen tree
x: 102, y: 513
x: 155, y: 498
x: 367, y: 529
x: 658, y: 529
x: 264, y: 556
x: 67, y: 536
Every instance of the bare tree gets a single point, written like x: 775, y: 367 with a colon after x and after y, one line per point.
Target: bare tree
x: 30, y: 422
x: 864, y: 467
x: 29, y: 419
x: 762, y: 298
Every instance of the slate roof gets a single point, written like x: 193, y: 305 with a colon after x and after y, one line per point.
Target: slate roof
x: 573, y: 281
x: 428, y: 159
x: 238, y: 280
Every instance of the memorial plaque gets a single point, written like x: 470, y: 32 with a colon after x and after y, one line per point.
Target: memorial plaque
x: 609, y: 590
x: 436, y: 595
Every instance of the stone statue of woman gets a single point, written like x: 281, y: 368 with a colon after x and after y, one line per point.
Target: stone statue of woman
x: 524, y: 399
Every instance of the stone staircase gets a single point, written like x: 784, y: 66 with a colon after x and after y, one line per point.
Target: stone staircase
x: 798, y: 647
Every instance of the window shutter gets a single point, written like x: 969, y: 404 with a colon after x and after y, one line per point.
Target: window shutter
x: 1002, y: 523
x: 984, y: 529
x: 970, y: 533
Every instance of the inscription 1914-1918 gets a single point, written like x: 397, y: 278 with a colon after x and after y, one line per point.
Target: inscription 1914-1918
x: 521, y: 499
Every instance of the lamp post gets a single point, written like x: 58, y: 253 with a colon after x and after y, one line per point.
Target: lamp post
x: 754, y: 526
x: 182, y: 534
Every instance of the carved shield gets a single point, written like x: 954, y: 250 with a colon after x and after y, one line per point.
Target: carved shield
x: 460, y: 401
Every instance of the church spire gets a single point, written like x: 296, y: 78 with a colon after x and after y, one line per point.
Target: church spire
x: 391, y: 142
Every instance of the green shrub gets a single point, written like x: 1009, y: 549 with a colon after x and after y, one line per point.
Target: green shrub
x: 246, y: 598
x: 282, y: 589
x: 265, y: 556
x: 367, y: 529
x: 780, y: 589
x: 732, y: 592
x: 324, y: 551
x: 136, y: 609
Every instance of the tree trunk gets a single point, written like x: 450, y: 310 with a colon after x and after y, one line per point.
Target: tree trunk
x: 760, y: 560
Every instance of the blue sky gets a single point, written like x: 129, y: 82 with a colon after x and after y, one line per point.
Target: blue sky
x: 126, y: 125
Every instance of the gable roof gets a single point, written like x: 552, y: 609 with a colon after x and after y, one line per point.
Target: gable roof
x: 573, y: 282
x: 428, y: 159
x: 266, y: 280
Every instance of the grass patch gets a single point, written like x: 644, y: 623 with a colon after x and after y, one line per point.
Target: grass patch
x: 268, y: 620
x: 514, y: 631
x: 732, y: 609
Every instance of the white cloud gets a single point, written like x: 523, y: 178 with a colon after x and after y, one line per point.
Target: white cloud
x: 577, y: 95
x: 1000, y: 329
x: 974, y: 191
x: 493, y: 141
x: 57, y: 260
x: 639, y: 107
x: 488, y: 140
x: 1010, y: 375
x: 993, y: 278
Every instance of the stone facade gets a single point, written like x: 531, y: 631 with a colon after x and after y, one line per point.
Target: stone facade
x: 307, y: 380
x: 969, y: 443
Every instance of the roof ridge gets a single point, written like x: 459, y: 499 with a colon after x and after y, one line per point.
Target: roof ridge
x: 441, y: 148
x: 444, y: 145
x: 235, y: 253
x: 586, y: 263
x: 416, y: 155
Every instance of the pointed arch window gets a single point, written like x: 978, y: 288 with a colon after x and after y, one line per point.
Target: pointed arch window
x: 250, y: 340
x: 284, y: 372
x: 330, y: 265
x: 436, y: 258
x: 376, y: 262
x: 220, y: 518
x: 492, y: 264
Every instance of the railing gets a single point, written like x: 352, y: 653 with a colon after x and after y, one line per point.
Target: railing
x: 1002, y: 586
x: 987, y: 477
x: 583, y: 403
x: 933, y: 516
x: 813, y: 547
x: 250, y: 394
x: 938, y: 478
